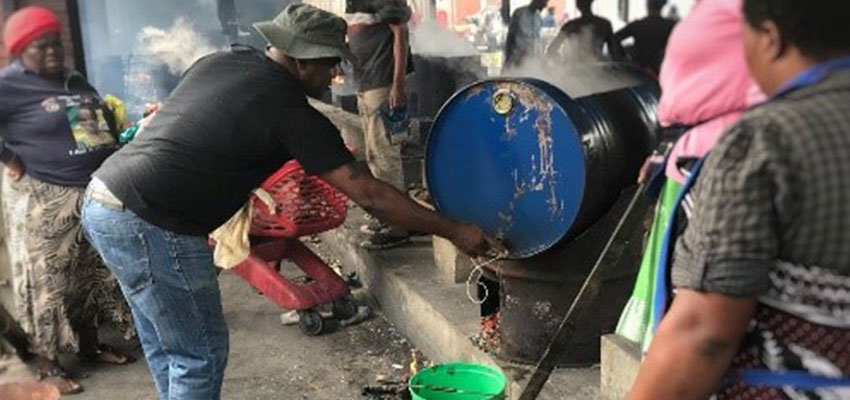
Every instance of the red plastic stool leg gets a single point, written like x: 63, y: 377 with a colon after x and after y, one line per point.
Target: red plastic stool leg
x: 262, y: 275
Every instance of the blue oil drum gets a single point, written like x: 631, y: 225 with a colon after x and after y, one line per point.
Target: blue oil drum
x: 532, y: 165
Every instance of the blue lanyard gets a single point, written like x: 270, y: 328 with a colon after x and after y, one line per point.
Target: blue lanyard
x: 795, y: 379
x: 814, y: 75
x: 661, y: 298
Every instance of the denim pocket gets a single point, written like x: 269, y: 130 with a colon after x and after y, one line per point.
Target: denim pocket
x: 193, y: 260
x: 124, y: 250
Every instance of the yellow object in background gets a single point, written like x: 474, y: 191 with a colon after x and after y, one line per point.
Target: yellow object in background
x: 119, y: 110
x: 415, y: 362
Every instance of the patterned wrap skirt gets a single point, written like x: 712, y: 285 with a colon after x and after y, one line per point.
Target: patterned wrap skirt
x: 59, y: 281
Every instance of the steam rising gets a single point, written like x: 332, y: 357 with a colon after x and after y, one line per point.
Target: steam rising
x: 429, y: 39
x: 178, y: 47
x: 578, y: 70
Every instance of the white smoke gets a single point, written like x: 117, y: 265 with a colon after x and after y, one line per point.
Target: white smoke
x: 178, y: 47
x: 577, y: 68
x: 429, y: 39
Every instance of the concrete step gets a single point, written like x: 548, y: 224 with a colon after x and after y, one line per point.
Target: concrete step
x: 436, y: 316
x: 620, y: 361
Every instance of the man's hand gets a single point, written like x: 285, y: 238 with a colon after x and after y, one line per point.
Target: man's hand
x: 15, y: 169
x: 644, y: 170
x: 398, y: 96
x: 647, y: 166
x: 473, y: 241
x: 388, y: 204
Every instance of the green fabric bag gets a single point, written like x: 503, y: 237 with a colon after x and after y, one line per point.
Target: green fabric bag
x: 636, y: 321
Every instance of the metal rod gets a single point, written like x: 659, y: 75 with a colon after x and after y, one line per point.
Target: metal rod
x: 588, y: 291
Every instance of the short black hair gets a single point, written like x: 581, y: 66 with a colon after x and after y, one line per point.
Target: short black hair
x: 656, y: 5
x: 819, y: 28
x: 540, y: 3
x: 581, y: 3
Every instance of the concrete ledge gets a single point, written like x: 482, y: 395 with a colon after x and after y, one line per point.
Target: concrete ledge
x: 452, y: 265
x: 620, y: 363
x: 436, y: 316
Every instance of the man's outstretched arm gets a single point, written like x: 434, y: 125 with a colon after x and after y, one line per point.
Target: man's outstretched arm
x: 390, y: 205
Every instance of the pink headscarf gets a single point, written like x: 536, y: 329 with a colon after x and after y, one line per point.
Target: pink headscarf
x: 704, y: 79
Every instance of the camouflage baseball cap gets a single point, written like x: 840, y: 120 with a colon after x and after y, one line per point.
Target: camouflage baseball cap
x: 302, y: 31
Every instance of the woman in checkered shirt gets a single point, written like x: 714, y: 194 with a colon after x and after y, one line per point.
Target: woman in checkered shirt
x: 759, y: 249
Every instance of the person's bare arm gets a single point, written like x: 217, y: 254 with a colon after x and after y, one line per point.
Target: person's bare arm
x: 558, y: 42
x: 693, y: 347
x: 389, y: 204
x: 400, y: 42
x: 555, y: 46
x: 615, y: 48
x: 623, y: 34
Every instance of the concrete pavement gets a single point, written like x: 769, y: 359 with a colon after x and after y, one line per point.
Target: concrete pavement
x: 271, y: 361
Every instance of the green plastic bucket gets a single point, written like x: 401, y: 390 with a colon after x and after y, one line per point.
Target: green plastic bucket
x: 458, y: 381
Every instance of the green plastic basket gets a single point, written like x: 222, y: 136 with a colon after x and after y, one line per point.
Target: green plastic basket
x: 458, y: 381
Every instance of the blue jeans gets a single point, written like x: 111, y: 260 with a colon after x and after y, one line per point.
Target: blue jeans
x: 170, y: 283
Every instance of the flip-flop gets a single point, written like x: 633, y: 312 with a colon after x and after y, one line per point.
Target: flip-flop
x: 103, y: 354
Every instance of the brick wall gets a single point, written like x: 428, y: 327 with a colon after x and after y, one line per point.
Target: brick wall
x: 60, y: 7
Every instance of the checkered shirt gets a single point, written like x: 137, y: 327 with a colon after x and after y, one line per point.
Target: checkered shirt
x: 775, y: 188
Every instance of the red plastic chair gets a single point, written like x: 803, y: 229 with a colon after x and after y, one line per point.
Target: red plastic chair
x: 304, y: 205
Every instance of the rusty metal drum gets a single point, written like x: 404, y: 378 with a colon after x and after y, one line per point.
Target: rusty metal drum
x: 532, y: 165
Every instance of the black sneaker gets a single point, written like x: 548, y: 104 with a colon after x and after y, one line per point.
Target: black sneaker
x: 383, y: 241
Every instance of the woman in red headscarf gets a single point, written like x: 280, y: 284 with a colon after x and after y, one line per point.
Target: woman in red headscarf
x: 55, y: 132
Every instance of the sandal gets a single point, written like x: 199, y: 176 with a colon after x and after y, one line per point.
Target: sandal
x: 60, y: 379
x: 106, y: 354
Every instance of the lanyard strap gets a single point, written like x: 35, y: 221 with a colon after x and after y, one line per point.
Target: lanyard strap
x: 807, y: 78
x: 753, y: 377
x: 795, y: 379
x: 814, y: 75
x: 662, y: 272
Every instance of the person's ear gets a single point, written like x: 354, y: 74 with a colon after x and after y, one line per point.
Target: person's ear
x: 301, y: 66
x: 770, y: 41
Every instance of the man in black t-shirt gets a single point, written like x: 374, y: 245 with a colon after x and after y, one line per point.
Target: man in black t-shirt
x: 233, y: 120
x: 588, y: 37
x: 650, y: 35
